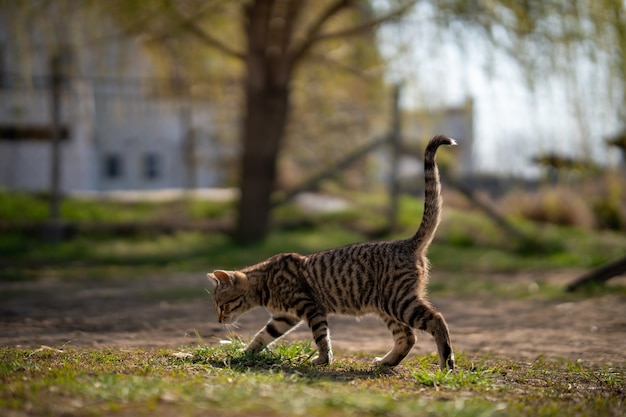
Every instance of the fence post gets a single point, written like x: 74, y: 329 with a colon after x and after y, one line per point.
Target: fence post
x: 395, y: 138
x: 54, y: 229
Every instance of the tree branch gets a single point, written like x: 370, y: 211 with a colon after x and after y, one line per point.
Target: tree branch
x: 315, y: 58
x: 314, y: 35
x: 315, y: 28
x: 358, y: 29
x: 192, y: 27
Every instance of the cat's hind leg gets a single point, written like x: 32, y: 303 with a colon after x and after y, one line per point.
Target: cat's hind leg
x: 421, y: 315
x: 437, y: 327
x: 278, y: 326
x: 403, y: 338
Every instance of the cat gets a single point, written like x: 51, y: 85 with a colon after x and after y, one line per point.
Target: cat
x: 387, y: 278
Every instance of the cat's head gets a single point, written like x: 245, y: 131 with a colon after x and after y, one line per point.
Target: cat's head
x: 230, y: 294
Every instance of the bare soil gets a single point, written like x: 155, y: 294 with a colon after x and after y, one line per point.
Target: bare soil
x: 171, y: 311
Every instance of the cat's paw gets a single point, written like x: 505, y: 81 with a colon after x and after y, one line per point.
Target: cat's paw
x: 383, y: 363
x: 378, y: 361
x: 322, y: 360
x: 448, y: 364
x: 252, y: 348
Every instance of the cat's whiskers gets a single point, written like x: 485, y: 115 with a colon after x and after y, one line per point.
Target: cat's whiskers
x: 232, y: 326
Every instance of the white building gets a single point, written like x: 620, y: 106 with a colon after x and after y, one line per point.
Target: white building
x: 121, y: 130
x: 456, y: 122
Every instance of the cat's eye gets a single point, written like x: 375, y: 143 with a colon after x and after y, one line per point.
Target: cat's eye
x: 233, y: 304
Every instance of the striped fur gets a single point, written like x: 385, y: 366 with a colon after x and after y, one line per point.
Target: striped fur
x: 387, y: 278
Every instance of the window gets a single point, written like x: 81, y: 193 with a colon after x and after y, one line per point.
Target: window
x: 112, y: 166
x: 151, y: 165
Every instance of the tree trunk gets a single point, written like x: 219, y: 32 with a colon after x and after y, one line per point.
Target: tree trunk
x: 395, y: 136
x: 54, y: 229
x: 269, y: 67
x: 262, y: 136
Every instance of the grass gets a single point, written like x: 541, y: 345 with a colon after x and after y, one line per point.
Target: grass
x: 20, y: 207
x: 468, y: 252
x: 221, y: 380
x: 481, y: 268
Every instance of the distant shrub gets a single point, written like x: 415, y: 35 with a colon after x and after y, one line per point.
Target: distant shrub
x: 19, y: 206
x: 200, y: 209
x: 610, y: 205
x: 87, y: 210
x: 609, y: 215
x: 550, y: 205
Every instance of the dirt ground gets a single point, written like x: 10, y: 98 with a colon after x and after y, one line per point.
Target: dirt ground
x: 148, y: 313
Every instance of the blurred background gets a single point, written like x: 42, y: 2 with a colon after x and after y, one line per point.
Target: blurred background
x: 190, y: 134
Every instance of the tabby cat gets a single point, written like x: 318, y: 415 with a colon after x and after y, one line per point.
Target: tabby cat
x: 387, y: 278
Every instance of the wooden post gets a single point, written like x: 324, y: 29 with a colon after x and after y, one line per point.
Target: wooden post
x: 190, y: 157
x: 395, y: 138
x: 54, y: 227
x: 55, y: 108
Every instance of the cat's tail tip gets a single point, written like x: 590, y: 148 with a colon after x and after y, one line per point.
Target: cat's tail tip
x: 443, y: 140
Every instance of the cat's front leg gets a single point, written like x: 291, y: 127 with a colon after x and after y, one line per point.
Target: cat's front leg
x: 276, y: 327
x: 404, y: 339
x: 321, y: 335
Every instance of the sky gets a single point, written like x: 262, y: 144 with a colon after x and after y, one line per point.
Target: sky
x: 512, y: 121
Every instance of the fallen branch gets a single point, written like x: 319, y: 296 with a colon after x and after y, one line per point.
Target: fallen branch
x: 599, y: 275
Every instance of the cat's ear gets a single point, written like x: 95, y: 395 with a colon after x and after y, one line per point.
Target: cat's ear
x: 220, y: 277
x: 212, y: 279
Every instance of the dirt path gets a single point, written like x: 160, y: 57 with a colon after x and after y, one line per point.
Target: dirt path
x: 148, y: 313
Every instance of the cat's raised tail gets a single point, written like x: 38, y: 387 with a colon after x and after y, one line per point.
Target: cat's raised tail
x: 432, y: 195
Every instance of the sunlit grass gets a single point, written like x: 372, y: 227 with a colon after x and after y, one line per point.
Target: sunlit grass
x: 218, y: 378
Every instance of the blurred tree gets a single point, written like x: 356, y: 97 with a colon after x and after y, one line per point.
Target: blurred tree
x: 278, y: 36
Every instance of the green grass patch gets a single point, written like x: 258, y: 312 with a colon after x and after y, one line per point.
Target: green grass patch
x: 22, y: 206
x: 222, y: 380
x: 468, y: 245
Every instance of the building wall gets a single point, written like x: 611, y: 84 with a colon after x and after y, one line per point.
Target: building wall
x: 111, y: 109
x: 455, y: 122
x: 149, y: 139
x: 25, y: 162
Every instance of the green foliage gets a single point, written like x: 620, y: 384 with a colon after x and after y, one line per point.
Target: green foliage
x: 609, y: 207
x: 467, y: 243
x: 24, y: 207
x: 200, y: 209
x: 609, y: 215
x: 95, y: 211
x: 21, y: 207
